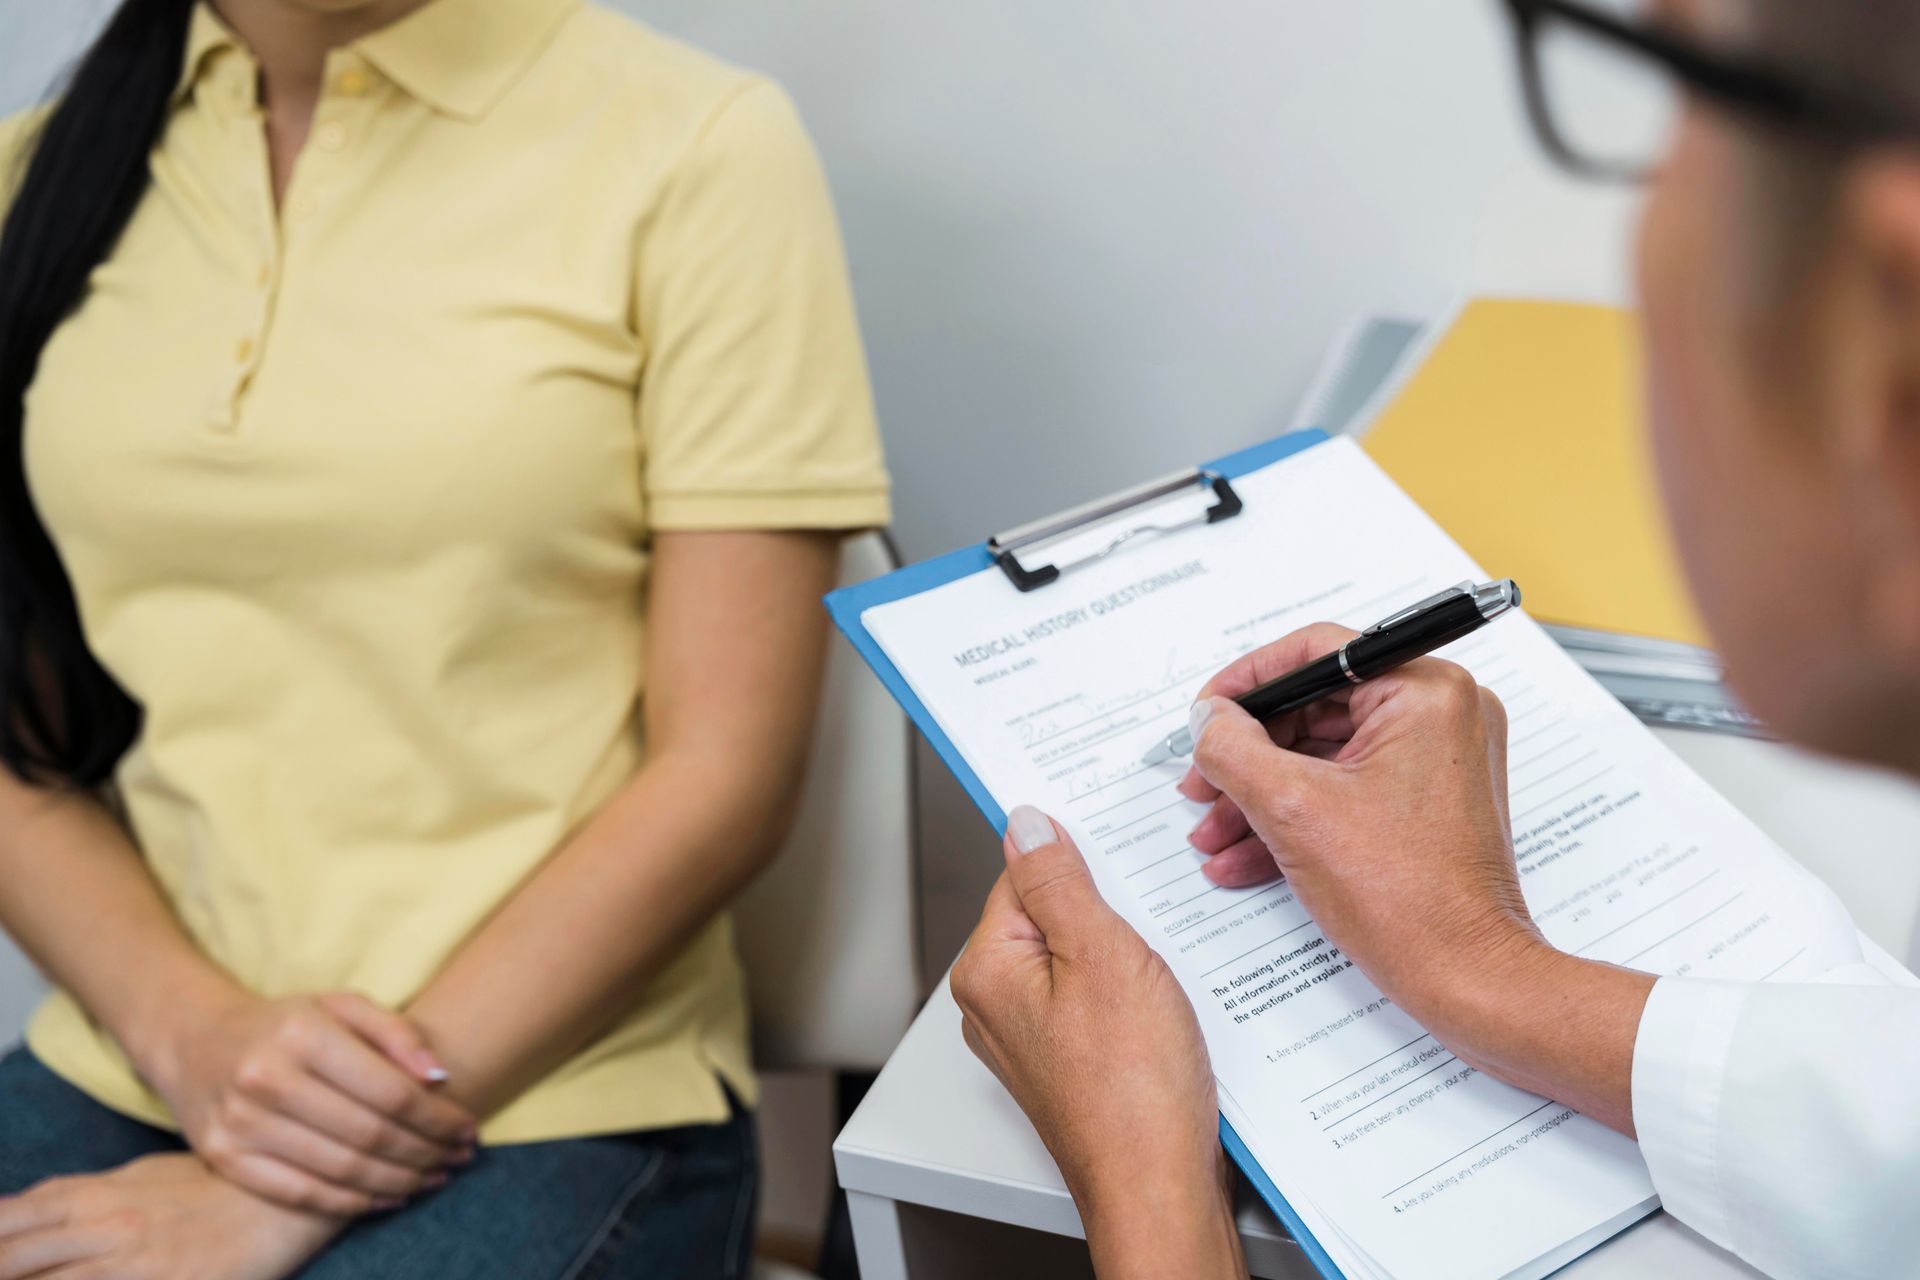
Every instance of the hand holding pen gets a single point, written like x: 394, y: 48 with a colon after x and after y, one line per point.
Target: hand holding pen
x: 1388, y: 811
x: 1394, y: 641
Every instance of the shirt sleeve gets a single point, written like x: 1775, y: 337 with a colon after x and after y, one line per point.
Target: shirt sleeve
x: 755, y: 411
x: 1782, y: 1121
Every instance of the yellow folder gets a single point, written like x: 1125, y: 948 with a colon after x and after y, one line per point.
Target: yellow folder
x: 1521, y: 434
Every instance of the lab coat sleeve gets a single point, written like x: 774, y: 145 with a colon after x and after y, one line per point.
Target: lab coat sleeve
x: 1782, y: 1121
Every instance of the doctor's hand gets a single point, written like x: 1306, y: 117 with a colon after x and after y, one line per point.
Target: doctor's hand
x: 1385, y: 807
x: 1091, y: 1034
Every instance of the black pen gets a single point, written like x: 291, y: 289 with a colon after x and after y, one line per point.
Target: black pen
x: 1394, y: 641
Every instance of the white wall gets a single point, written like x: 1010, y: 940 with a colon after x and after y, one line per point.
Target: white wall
x: 1096, y: 238
x: 1093, y: 240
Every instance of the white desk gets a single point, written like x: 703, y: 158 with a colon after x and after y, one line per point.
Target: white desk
x: 938, y: 1136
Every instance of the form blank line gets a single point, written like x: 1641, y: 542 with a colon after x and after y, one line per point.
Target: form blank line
x: 1250, y: 950
x: 1185, y: 848
x: 1121, y: 804
x: 1783, y: 964
x: 1128, y: 728
x: 1557, y: 772
x: 1562, y: 795
x: 1456, y: 1155
x: 1110, y: 782
x: 1185, y: 875
x: 1134, y: 822
x: 1374, y: 1102
x: 1649, y: 911
x: 1683, y: 928
x: 1112, y: 711
x: 1532, y: 760
x: 1174, y: 933
x: 1376, y: 1062
x: 1548, y: 727
x: 1176, y: 906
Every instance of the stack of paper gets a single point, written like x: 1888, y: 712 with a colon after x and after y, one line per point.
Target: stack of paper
x: 1661, y: 681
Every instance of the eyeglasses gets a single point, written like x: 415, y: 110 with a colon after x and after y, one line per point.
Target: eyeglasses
x: 1604, y: 88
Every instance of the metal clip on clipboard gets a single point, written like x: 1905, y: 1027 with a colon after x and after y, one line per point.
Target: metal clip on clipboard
x: 1006, y: 547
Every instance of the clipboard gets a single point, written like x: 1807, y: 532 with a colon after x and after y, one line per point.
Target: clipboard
x: 1010, y: 553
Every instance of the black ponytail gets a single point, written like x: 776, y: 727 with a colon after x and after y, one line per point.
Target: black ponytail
x: 62, y: 716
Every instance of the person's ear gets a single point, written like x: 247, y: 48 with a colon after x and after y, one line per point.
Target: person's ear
x: 1880, y: 209
x: 1875, y: 422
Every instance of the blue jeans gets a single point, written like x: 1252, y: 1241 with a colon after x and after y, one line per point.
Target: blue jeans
x: 657, y: 1205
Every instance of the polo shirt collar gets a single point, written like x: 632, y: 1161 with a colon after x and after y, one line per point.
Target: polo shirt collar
x: 457, y: 56
x: 206, y: 35
x: 461, y: 56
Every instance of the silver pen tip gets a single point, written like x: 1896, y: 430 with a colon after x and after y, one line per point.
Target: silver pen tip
x: 1174, y: 745
x: 1496, y: 598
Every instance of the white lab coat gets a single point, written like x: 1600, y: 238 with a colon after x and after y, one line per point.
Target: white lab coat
x: 1782, y: 1121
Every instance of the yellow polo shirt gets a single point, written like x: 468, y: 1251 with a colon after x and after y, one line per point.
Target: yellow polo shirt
x: 355, y: 494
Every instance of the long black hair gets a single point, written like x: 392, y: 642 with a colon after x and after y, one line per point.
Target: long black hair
x: 63, y: 717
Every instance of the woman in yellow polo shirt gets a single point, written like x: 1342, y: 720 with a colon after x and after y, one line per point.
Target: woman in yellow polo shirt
x: 377, y: 375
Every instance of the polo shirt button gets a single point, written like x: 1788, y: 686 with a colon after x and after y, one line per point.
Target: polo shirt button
x: 352, y: 82
x: 330, y: 137
x: 243, y: 351
x: 265, y: 277
x: 300, y: 208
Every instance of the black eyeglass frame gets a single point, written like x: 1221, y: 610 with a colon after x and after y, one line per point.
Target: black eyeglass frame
x: 1757, y: 88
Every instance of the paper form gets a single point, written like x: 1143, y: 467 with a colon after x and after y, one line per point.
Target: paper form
x: 1401, y: 1159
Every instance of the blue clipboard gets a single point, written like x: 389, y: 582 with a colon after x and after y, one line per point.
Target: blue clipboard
x: 847, y: 606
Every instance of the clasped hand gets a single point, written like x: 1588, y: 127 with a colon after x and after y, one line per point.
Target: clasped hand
x: 301, y: 1112
x: 328, y: 1103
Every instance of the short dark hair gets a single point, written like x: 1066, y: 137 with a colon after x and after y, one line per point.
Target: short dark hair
x: 1866, y: 48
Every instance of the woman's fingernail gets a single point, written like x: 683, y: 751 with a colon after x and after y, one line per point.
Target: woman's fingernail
x: 1198, y: 717
x: 462, y: 1157
x: 429, y: 1067
x: 387, y: 1205
x: 1030, y: 828
x: 434, y: 1180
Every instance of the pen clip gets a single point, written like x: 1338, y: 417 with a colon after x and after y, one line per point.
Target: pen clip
x: 1393, y: 620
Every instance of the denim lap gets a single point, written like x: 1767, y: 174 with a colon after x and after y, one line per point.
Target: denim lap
x: 642, y: 1206
x: 49, y: 1129
x: 650, y: 1206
